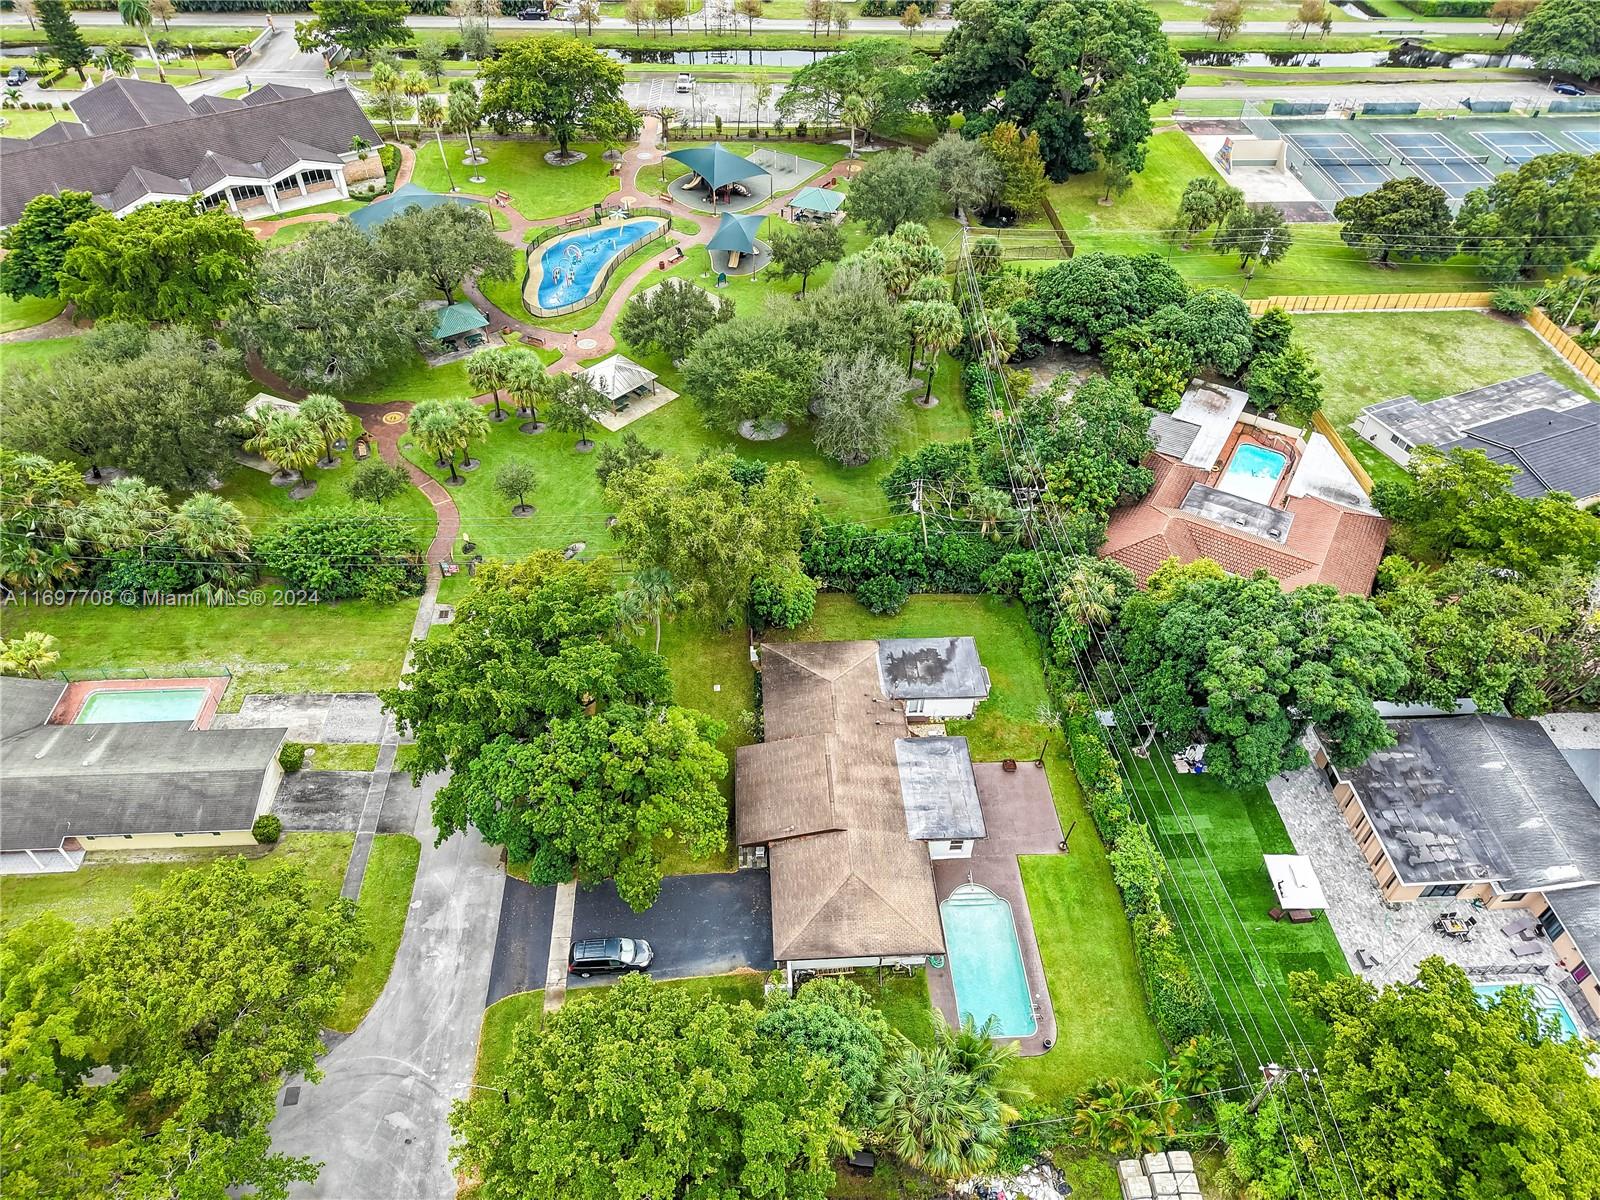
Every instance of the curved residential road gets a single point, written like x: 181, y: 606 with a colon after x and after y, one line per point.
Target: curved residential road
x: 378, y: 1121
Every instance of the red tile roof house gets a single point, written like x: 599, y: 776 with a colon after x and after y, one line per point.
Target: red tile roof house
x: 1250, y: 494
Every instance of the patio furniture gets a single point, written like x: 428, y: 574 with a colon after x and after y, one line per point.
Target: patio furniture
x: 363, y: 448
x: 1522, y: 927
x: 1366, y: 960
x: 1277, y: 914
x: 1524, y: 949
x: 1301, y: 916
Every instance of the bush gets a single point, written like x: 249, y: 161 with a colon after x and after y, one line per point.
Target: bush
x: 882, y: 595
x: 844, y: 556
x: 1449, y: 8
x: 377, y: 481
x: 292, y: 756
x: 785, y: 602
x: 344, y: 553
x: 130, y: 572
x: 267, y: 829
x: 1513, y: 302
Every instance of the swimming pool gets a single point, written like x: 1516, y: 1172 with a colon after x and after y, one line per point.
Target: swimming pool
x: 986, y: 961
x: 1253, y: 472
x: 141, y: 704
x: 1545, y: 998
x: 567, y: 270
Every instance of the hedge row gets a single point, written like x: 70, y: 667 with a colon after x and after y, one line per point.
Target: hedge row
x: 881, y: 567
x: 1449, y: 8
x: 1179, y: 1002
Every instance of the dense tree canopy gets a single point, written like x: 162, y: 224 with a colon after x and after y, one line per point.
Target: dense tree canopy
x: 360, y: 26
x: 801, y: 249
x: 36, y: 244
x: 343, y: 553
x: 443, y: 245
x: 561, y: 87
x: 1246, y: 666
x: 750, y: 369
x: 1215, y: 326
x: 1546, y: 213
x: 327, y: 315
x: 1082, y: 74
x: 883, y: 74
x: 671, y: 318
x: 1561, y: 35
x: 895, y: 187
x: 161, y: 262
x: 1081, y: 301
x: 836, y: 1019
x: 680, y: 1097
x: 1092, y: 445
x: 860, y: 407
x: 199, y: 1000
x: 1407, y: 218
x: 714, y: 535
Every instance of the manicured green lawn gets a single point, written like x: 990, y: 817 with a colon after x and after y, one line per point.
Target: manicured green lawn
x: 264, y: 505
x: 25, y: 122
x: 385, y: 900
x: 28, y: 312
x: 1368, y: 357
x: 341, y: 756
x: 413, y: 380
x: 351, y: 646
x: 501, y: 1019
x: 537, y: 189
x: 15, y: 355
x: 1083, y: 934
x: 1213, y: 839
x: 1317, y: 263
x: 103, y: 890
x: 903, y: 1000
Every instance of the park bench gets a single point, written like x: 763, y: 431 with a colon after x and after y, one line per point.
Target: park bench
x: 362, y: 449
x: 675, y: 255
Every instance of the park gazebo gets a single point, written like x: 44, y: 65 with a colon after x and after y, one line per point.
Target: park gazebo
x: 734, y: 248
x: 816, y: 204
x: 620, y: 380
x: 457, y: 326
x: 717, y: 176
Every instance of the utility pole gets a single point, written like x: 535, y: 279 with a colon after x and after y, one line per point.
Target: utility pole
x: 922, y: 514
x: 1271, y: 1074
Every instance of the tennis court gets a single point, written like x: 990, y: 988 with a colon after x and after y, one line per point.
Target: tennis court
x: 1348, y: 165
x: 1589, y: 139
x: 1516, y: 146
x: 1440, y: 160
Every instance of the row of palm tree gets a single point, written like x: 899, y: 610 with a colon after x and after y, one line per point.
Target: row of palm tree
x: 294, y: 442
x: 444, y: 428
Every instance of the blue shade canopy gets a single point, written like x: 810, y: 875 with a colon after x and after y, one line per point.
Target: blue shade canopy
x: 456, y: 319
x: 736, y: 234
x: 379, y: 211
x: 717, y: 165
x: 818, y: 200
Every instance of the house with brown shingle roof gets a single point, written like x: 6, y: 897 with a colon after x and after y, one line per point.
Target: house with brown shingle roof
x: 849, y: 808
x: 1251, y: 494
x: 135, y: 142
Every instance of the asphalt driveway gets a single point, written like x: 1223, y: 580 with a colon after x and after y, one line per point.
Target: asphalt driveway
x: 701, y: 925
x: 522, y: 947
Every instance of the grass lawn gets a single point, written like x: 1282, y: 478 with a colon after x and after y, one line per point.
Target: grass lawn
x: 1213, y: 839
x: 1317, y: 263
x: 1084, y: 939
x: 1367, y: 357
x: 25, y: 122
x: 264, y: 505
x: 23, y: 354
x: 385, y: 900
x: 342, y: 756
x: 537, y: 189
x: 28, y: 312
x: 413, y: 380
x: 351, y: 646
x: 501, y: 1019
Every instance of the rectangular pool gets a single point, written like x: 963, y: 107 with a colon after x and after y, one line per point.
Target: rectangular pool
x: 1545, y: 998
x: 986, y: 961
x: 114, y: 706
x: 1253, y: 472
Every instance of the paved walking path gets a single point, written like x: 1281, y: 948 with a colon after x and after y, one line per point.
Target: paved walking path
x: 61, y: 325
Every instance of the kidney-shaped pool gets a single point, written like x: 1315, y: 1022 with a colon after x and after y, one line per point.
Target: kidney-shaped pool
x: 569, y: 271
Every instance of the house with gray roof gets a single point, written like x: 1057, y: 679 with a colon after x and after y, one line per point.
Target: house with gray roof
x: 67, y: 789
x: 135, y: 143
x: 1543, y: 428
x: 1481, y: 810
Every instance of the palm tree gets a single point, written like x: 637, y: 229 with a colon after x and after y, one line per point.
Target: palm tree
x: 434, y: 431
x: 127, y: 514
x: 431, y: 115
x: 527, y: 384
x: 331, y: 420
x: 471, y: 425
x: 1090, y: 597
x: 975, y: 1051
x: 854, y: 113
x: 761, y: 92
x: 209, y: 529
x: 136, y: 15
x: 572, y: 402
x: 650, y: 595
x: 415, y: 86
x: 936, y: 1117
x: 491, y: 369
x: 989, y: 506
x: 385, y: 85
x: 115, y: 60
x: 937, y: 327
x: 462, y: 116
x: 289, y: 442
x: 28, y: 654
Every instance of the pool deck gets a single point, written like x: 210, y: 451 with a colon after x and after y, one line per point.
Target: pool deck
x: 71, y: 702
x: 1020, y: 817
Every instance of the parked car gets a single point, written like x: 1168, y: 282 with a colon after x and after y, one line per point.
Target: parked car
x: 1567, y: 89
x: 16, y: 76
x: 533, y: 13
x: 593, y: 956
x: 685, y: 83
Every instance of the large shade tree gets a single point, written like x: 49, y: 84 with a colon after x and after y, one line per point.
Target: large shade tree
x: 1546, y: 213
x: 1246, y: 666
x: 36, y: 243
x: 443, y: 245
x: 562, y: 88
x: 1061, y: 69
x: 1561, y: 35
x: 1407, y: 218
x: 882, y: 75
x: 360, y: 26
x: 860, y: 407
x: 671, y: 318
x: 750, y: 370
x: 683, y: 1098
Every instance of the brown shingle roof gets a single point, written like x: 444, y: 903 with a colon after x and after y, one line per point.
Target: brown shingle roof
x: 823, y: 791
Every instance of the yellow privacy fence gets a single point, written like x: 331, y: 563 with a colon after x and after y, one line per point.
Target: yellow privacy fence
x: 1581, y: 360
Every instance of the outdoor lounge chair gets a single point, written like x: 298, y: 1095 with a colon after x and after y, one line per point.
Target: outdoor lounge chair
x: 1519, y: 928
x: 1301, y: 916
x: 1524, y: 949
x: 1366, y: 960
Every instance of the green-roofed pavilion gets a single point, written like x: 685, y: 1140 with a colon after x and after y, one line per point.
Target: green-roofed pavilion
x: 821, y: 201
x: 458, y: 320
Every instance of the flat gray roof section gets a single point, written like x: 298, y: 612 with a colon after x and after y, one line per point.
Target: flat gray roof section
x: 25, y: 703
x: 937, y: 789
x: 1474, y: 798
x: 1450, y: 417
x: 1238, y: 513
x: 1214, y: 411
x: 931, y: 669
x: 1554, y: 450
x: 1172, y: 436
x: 1579, y: 910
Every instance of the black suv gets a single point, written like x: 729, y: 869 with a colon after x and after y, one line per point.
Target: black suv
x: 538, y: 13
x: 591, y: 956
